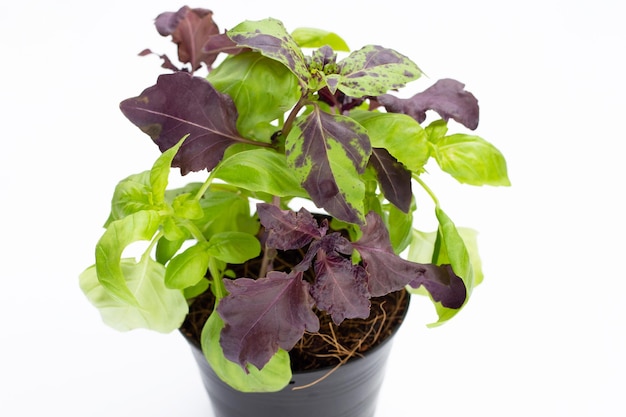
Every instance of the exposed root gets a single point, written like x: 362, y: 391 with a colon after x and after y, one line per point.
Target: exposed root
x: 342, y: 361
x: 334, y: 344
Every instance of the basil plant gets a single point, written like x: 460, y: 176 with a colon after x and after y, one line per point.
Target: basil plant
x: 282, y: 121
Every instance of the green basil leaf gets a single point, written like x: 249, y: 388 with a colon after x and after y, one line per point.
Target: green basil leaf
x: 196, y: 290
x: 274, y: 376
x: 422, y: 247
x: 160, y: 172
x: 225, y: 211
x: 166, y: 249
x: 121, y: 233
x: 190, y: 188
x: 400, y: 227
x: 436, y: 130
x: 131, y: 195
x: 316, y: 38
x: 187, y: 207
x: 234, y: 247
x: 172, y: 230
x: 449, y: 245
x: 453, y: 250
x: 400, y: 134
x: 450, y: 249
x: 224, y: 208
x: 263, y: 89
x: 157, y: 308
x: 187, y: 268
x: 470, y: 238
x: 260, y: 170
x: 471, y: 160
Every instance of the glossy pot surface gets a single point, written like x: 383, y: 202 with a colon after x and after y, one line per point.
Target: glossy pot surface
x: 350, y: 391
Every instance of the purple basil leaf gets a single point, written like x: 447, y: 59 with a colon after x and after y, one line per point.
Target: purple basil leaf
x: 340, y: 287
x: 167, y: 22
x: 178, y: 105
x: 167, y: 63
x: 447, y: 97
x: 264, y: 315
x: 305, y: 263
x: 388, y: 272
x: 393, y: 177
x: 190, y: 30
x: 442, y: 284
x: 320, y: 143
x: 222, y: 44
x: 333, y: 242
x: 287, y: 229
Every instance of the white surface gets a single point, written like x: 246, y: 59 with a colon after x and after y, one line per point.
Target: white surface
x: 544, y: 335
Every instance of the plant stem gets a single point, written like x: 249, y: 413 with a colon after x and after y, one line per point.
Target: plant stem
x: 268, y: 253
x: 219, y: 290
x: 268, y: 256
x: 427, y: 189
x: 153, y: 242
x: 206, y: 185
x: 293, y: 114
x: 195, y: 232
x: 216, y: 270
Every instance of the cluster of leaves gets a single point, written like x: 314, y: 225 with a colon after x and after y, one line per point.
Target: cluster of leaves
x: 278, y: 307
x: 272, y: 124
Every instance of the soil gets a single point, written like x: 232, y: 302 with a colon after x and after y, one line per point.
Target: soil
x: 332, y: 345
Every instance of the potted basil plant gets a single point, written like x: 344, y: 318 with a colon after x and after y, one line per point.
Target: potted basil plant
x: 282, y: 267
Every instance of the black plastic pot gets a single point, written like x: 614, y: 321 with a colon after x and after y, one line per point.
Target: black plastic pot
x: 350, y: 391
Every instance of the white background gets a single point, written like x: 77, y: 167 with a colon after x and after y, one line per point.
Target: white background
x: 543, y: 336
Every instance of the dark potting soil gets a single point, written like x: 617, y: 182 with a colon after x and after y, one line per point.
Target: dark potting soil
x: 333, y: 344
